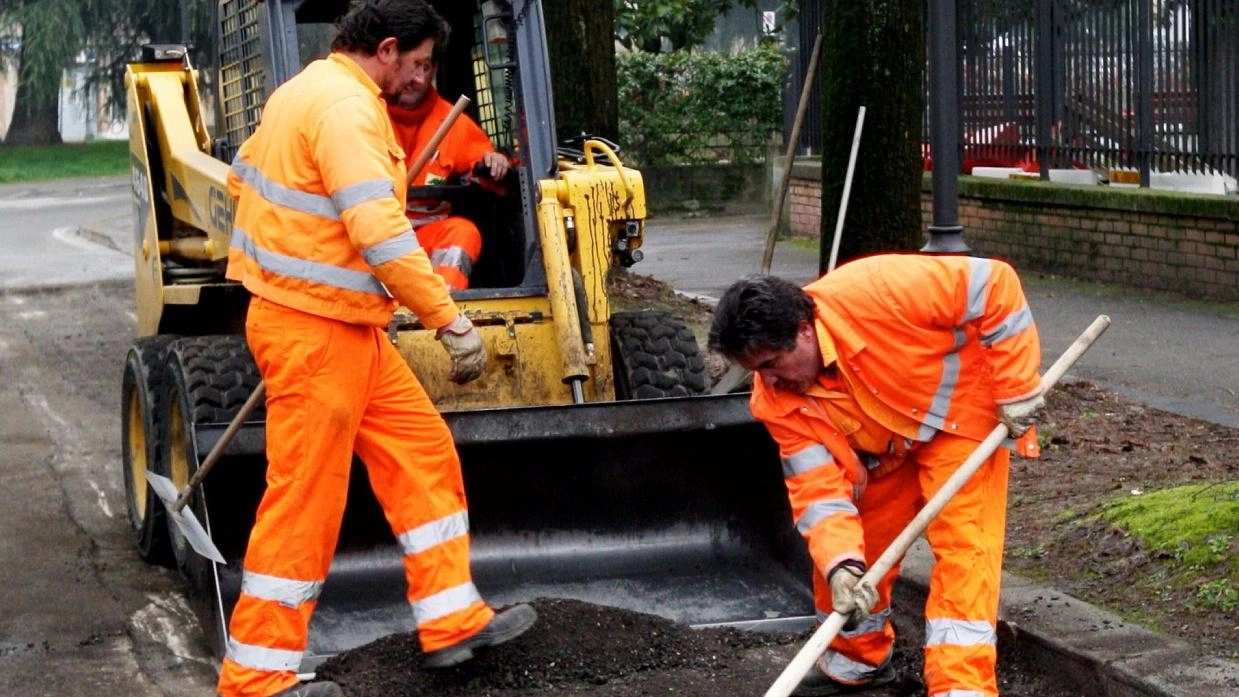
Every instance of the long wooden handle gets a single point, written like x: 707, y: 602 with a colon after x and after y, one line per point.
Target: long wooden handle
x: 424, y: 156
x: 816, y: 645
x: 777, y: 212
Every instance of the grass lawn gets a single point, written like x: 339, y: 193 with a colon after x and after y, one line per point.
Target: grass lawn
x: 102, y: 158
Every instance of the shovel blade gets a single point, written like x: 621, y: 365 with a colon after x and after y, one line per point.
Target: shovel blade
x: 185, y: 520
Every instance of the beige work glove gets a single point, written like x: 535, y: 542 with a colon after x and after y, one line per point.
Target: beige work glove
x: 850, y: 597
x: 1019, y: 416
x: 465, y: 347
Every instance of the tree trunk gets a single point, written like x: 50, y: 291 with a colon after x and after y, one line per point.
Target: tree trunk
x: 873, y: 55
x: 580, y: 37
x: 35, y: 109
x: 34, y: 121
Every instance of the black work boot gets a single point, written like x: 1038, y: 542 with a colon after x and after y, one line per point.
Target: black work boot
x: 312, y: 689
x: 816, y: 683
x: 504, y: 626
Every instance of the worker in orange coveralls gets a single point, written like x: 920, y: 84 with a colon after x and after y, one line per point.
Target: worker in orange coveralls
x: 322, y: 243
x: 453, y: 242
x: 877, y: 381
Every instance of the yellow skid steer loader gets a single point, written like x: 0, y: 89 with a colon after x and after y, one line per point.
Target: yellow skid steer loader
x: 596, y: 466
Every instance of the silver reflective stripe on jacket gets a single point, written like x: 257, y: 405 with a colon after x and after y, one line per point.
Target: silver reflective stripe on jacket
x: 802, y: 461
x: 283, y: 196
x: 306, y: 270
x: 363, y: 192
x: 820, y: 510
x: 394, y: 248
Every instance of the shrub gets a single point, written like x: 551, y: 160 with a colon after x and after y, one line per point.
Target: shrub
x: 693, y: 107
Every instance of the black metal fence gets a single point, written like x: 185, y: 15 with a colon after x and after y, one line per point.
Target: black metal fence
x: 1135, y: 85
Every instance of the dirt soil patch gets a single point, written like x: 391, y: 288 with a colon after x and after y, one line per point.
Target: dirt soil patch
x: 1096, y: 446
x: 583, y: 649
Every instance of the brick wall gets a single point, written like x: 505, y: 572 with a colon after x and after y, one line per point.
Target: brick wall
x: 804, y: 207
x: 1157, y: 240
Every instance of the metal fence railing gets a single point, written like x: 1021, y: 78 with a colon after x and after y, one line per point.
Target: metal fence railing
x: 1131, y: 85
x: 1141, y: 86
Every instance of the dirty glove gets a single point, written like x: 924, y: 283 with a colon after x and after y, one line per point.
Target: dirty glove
x: 465, y: 347
x: 850, y: 597
x: 1019, y: 416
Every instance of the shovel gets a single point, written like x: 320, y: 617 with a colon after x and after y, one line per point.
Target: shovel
x: 174, y: 501
x: 816, y: 645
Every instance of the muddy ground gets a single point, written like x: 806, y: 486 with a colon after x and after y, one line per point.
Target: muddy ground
x: 1098, y: 446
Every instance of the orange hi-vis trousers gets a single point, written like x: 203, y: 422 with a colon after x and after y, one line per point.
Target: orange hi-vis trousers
x: 333, y: 389
x: 961, y: 611
x: 453, y: 244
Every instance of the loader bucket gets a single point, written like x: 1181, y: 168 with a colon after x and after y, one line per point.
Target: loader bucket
x: 674, y: 507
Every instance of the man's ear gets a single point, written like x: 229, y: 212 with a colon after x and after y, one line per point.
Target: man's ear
x: 388, y: 50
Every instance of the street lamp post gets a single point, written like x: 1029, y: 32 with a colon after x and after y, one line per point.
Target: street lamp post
x: 945, y: 233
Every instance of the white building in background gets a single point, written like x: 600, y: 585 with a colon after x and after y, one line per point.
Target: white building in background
x: 8, y: 80
x: 84, y: 113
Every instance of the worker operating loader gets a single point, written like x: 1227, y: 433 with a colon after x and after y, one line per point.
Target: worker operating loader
x: 322, y: 243
x: 452, y: 241
x: 877, y: 381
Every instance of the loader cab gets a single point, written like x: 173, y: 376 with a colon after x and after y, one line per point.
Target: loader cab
x: 480, y: 62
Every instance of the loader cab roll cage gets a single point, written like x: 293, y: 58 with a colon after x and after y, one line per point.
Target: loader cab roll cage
x: 496, y: 55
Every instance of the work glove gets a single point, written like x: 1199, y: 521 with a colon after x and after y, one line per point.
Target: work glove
x: 849, y: 597
x: 1019, y: 416
x: 465, y: 347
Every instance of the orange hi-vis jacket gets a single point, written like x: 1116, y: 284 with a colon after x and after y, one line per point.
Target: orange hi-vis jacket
x: 323, y: 229
x: 464, y: 145
x: 937, y: 341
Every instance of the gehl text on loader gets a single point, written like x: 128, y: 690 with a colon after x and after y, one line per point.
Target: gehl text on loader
x: 596, y: 465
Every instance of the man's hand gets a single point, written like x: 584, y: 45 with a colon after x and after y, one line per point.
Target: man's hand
x: 850, y: 597
x: 465, y: 347
x: 1019, y: 416
x: 496, y: 164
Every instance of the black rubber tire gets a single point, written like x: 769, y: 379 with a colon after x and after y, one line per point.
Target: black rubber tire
x: 144, y: 389
x: 209, y: 379
x: 655, y: 355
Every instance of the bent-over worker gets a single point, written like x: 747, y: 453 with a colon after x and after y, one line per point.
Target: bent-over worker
x: 877, y: 381
x: 322, y: 244
x: 452, y: 241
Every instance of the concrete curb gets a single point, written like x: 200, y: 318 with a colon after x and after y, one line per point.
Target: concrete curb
x: 1094, y: 647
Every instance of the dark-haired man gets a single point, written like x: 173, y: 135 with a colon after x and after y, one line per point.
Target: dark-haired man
x: 877, y: 381
x: 322, y: 243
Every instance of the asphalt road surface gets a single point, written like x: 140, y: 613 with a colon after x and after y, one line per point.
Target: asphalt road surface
x: 82, y: 615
